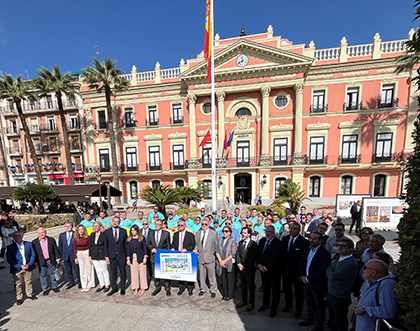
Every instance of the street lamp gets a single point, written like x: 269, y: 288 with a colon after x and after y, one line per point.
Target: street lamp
x: 98, y: 178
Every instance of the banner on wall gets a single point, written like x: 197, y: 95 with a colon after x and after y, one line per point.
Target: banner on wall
x: 382, y: 213
x: 344, y: 202
x: 175, y: 265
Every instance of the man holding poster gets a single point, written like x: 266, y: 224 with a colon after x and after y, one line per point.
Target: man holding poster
x: 184, y: 241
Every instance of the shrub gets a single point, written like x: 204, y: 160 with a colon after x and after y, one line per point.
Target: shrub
x: 29, y: 223
x: 278, y: 209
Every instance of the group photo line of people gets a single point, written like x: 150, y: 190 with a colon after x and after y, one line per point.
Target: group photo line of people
x: 305, y: 255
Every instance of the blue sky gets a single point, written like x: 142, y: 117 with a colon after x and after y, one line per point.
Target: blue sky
x: 47, y: 32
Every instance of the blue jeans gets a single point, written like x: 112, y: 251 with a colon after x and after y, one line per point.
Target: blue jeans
x: 43, y: 276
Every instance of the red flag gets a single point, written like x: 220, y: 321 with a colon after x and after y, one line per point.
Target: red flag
x: 207, y: 40
x: 226, y: 139
x: 206, y: 139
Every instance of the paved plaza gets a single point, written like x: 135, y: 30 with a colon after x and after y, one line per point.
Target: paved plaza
x: 73, y: 310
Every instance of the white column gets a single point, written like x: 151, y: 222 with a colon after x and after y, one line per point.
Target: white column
x: 192, y: 98
x: 298, y: 127
x: 265, y: 91
x: 221, y: 120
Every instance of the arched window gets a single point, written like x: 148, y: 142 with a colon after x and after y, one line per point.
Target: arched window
x: 277, y: 183
x: 315, y: 186
x: 379, y: 186
x: 243, y: 112
x: 133, y: 190
x: 156, y: 182
x: 207, y: 108
x: 179, y: 183
x: 207, y: 182
x: 346, y: 184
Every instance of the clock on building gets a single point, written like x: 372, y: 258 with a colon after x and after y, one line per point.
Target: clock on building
x: 242, y: 60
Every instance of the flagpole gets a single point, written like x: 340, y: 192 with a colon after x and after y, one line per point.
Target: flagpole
x: 213, y: 116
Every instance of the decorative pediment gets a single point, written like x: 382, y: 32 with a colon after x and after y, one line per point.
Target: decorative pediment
x: 177, y: 135
x: 318, y: 126
x: 281, y: 127
x: 387, y: 122
x: 101, y: 140
x: 130, y: 138
x: 351, y: 124
x: 153, y: 137
x: 261, y: 58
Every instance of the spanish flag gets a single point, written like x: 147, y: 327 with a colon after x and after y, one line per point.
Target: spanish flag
x: 207, y: 40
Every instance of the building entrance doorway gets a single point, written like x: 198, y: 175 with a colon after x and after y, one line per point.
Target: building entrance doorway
x: 243, y: 191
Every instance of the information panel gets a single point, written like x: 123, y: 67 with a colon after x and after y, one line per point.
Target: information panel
x: 344, y: 202
x: 382, y: 213
x: 176, y: 265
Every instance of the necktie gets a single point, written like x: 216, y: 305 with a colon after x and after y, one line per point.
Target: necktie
x: 245, y: 243
x: 202, y: 239
x: 291, y: 242
x: 157, y: 238
x: 68, y: 239
x: 115, y: 235
x: 181, y: 241
x: 266, y: 245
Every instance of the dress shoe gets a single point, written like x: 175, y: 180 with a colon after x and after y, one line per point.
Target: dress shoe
x: 286, y: 309
x: 180, y: 292
x: 273, y: 313
x: 224, y: 298
x: 56, y: 290
x: 190, y: 293
x: 262, y: 308
x: 46, y: 292
x: 79, y: 286
x: 69, y: 286
x: 306, y: 323
x: 99, y: 289
x: 318, y: 328
x: 106, y: 289
x: 297, y: 313
x: 19, y: 302
x: 228, y: 299
x: 113, y: 291
x: 212, y: 295
x: 122, y: 292
x: 201, y: 293
x: 250, y: 307
x: 33, y: 297
x: 168, y: 293
x: 156, y: 291
x: 240, y: 304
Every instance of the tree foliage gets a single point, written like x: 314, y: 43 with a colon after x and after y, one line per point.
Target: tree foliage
x: 188, y: 193
x: 160, y: 196
x: 34, y: 194
x: 291, y: 193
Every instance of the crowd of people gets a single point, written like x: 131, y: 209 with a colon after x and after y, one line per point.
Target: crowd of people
x: 307, y: 255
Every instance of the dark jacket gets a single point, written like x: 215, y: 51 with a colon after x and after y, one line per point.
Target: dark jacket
x: 96, y: 251
x: 272, y: 258
x: 247, y: 257
x: 77, y: 218
x: 140, y: 249
x: 66, y: 251
x: 115, y: 249
x: 53, y: 252
x: 188, y: 243
x: 356, y: 215
x: 318, y: 267
x: 164, y: 243
x: 293, y: 255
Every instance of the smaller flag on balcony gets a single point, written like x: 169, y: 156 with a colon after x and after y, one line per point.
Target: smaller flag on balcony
x: 205, y: 140
x: 229, y: 142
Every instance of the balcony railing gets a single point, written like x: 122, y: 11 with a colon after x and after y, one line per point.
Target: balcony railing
x: 153, y: 167
x: 100, y: 126
x: 351, y: 159
x: 11, y: 130
x: 15, y: 150
x: 394, y: 157
x: 74, y: 125
x: 152, y: 121
x: 319, y: 109
x: 388, y: 104
x: 352, y: 106
x: 177, y: 120
x: 316, y: 160
x: 126, y: 167
x: 281, y: 160
x: 40, y: 105
x: 49, y: 127
x: 129, y: 124
x: 178, y: 166
x: 34, y: 129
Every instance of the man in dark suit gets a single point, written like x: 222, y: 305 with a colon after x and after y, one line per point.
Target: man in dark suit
x: 313, y: 266
x: 356, y: 216
x: 47, y: 258
x: 66, y: 248
x: 183, y: 241
x: 115, y: 254
x: 245, y: 260
x: 160, y: 239
x: 21, y: 257
x: 269, y: 262
x: 295, y: 244
x: 146, y: 231
x: 78, y: 216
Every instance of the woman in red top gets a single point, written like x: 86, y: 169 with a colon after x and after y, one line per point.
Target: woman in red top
x: 81, y: 254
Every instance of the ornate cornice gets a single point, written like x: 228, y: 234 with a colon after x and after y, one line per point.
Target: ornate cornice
x: 351, y: 124
x: 281, y: 127
x: 177, y: 135
x: 130, y: 138
x: 153, y: 137
x: 101, y: 140
x: 318, y: 126
x: 387, y: 122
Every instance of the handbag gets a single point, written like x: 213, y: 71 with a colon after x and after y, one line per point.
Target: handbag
x: 59, y: 272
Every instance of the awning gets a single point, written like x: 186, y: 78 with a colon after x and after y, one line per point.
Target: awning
x: 6, y: 192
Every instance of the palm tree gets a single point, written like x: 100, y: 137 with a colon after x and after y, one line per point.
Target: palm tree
x: 160, y: 196
x: 60, y: 84
x: 291, y: 193
x: 16, y: 90
x: 104, y: 77
x: 33, y: 193
x: 186, y: 194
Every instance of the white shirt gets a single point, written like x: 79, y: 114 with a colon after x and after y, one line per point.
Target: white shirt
x: 181, y: 239
x: 311, y: 255
x: 158, y: 234
x: 345, y: 257
x: 291, y: 242
x: 205, y: 238
x: 22, y: 252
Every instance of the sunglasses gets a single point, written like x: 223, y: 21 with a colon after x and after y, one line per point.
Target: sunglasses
x: 339, y: 230
x: 367, y: 232
x: 225, y: 231
x: 205, y: 224
x: 145, y: 223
